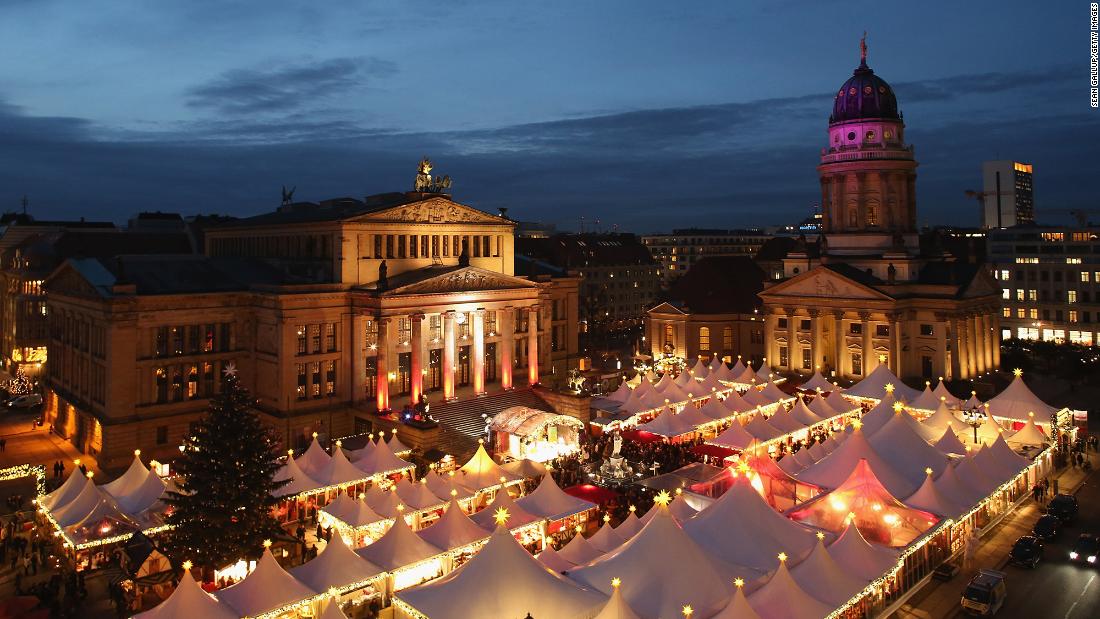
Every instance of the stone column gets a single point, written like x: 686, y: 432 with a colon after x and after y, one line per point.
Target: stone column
x: 838, y: 343
x: 965, y: 350
x: 477, y: 318
x: 358, y: 356
x: 973, y: 350
x: 771, y: 349
x: 956, y: 350
x: 416, y: 348
x: 826, y: 205
x: 792, y: 339
x: 941, y: 345
x: 895, y: 343
x: 869, y: 359
x: 991, y: 338
x: 816, y: 348
x: 448, y: 355
x: 533, y: 345
x: 382, y: 397
x: 507, y: 346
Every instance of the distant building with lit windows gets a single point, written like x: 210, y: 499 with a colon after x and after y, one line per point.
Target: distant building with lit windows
x: 1050, y: 283
x: 676, y: 253
x: 1008, y: 195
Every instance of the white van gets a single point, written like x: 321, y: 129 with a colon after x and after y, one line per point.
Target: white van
x: 29, y: 400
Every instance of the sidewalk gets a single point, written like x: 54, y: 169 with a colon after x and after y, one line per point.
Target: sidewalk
x: 28, y: 444
x: 941, y: 599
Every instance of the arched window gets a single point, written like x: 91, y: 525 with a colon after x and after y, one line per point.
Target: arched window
x: 704, y: 339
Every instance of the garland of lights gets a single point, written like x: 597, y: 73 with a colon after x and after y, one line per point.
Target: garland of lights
x: 38, y: 471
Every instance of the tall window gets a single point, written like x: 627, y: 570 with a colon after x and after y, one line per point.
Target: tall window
x: 330, y: 337
x: 670, y: 338
x: 727, y: 339
x: 314, y: 339
x: 1071, y: 296
x: 301, y: 390
x: 784, y: 356
x: 330, y: 377
x: 807, y: 359
x: 704, y: 339
x: 404, y: 329
x: 301, y: 333
x: 315, y: 384
x: 435, y: 326
x: 491, y: 322
x: 857, y: 363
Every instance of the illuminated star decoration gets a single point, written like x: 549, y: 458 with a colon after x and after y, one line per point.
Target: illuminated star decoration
x: 928, y: 471
x: 889, y: 387
x: 615, y: 582
x: 663, y: 498
x: 1017, y: 372
x: 230, y: 369
x: 501, y: 516
x: 898, y: 407
x: 820, y: 535
x: 739, y: 582
x: 187, y: 565
x: 688, y: 610
x: 782, y: 556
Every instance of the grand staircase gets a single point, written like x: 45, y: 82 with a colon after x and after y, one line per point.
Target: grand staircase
x: 462, y: 422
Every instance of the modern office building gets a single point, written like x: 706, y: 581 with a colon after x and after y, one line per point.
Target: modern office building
x: 1007, y: 194
x: 1050, y: 283
x: 676, y: 253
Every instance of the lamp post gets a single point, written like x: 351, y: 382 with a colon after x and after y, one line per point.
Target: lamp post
x: 974, y: 419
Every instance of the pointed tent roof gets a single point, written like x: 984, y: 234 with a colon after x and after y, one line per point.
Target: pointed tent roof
x: 1029, y: 435
x: 674, y: 393
x: 943, y: 418
x: 685, y: 379
x: 868, y: 561
x: 526, y: 467
x: 549, y: 501
x: 782, y: 598
x: 137, y: 489
x: 839, y: 403
x: 826, y: 580
x: 314, y: 460
x: 332, y: 611
x: 876, y: 510
x: 630, y: 526
x: 747, y: 375
x: 803, y: 457
x: 1017, y: 400
x: 929, y: 498
x: 679, y: 508
x: 380, y: 460
x: 65, y: 492
x: 742, y: 529
x: 955, y: 490
x: 756, y: 397
x: 973, y: 402
x: 941, y: 391
x: 783, y: 421
x: 735, y: 404
x: 395, y: 444
x: 621, y: 394
x: 299, y: 481
x: 803, y: 414
x: 552, y: 560
x: 266, y: 588
x: 616, y: 607
x: 665, y: 568
x: 908, y: 449
x: 970, y: 473
x: 517, y: 516
x: 714, y: 410
x: 821, y: 407
x: 352, y: 512
x: 481, y: 471
x: 417, y: 496
x: 990, y: 430
x: 927, y: 400
x: 949, y: 443
x: 760, y: 428
x: 441, y: 486
x: 335, y: 566
x: 710, y: 384
x: 605, y: 539
x: 700, y: 369
x: 398, y: 548
x: 691, y: 415
x: 738, y: 367
x: 579, y: 552
x: 817, y: 381
x: 734, y: 437
x: 723, y: 373
x: 453, y: 530
x: 764, y: 373
x: 666, y: 381
x: 874, y: 386
x: 645, y: 385
x: 355, y: 455
x: 90, y: 504
x: 502, y: 580
x: 879, y: 414
x: 738, y: 607
x: 339, y: 470
x: 1001, y: 458
x: 774, y: 393
x: 383, y: 502
x: 835, y: 468
x: 668, y: 424
x: 188, y: 600
x: 790, y: 465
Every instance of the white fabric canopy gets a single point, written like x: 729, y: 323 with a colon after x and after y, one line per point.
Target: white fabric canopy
x: 759, y: 427
x: 616, y: 607
x: 865, y: 560
x: 784, y: 422
x: 782, y: 598
x: 549, y: 501
x: 398, y: 548
x: 518, y: 516
x: 441, y: 486
x: 907, y: 449
x: 832, y: 470
x: 1017, y: 400
x: 738, y: 607
x: 137, y: 489
x: 502, y: 580
x: 383, y: 502
x: 929, y: 498
x: 552, y: 560
x: 668, y: 424
x: 700, y: 369
x: 879, y: 414
x: 188, y: 601
x: 66, y: 492
x: 314, y: 460
x: 943, y: 418
x: 481, y: 471
x: 266, y: 588
x: 335, y: 566
x: 380, y: 460
x: 395, y: 444
x: 525, y: 468
x: 874, y: 386
x: 734, y: 437
x: 630, y: 526
x: 416, y: 496
x: 943, y: 394
x: 825, y: 579
x: 606, y: 539
x: 817, y: 381
x: 453, y: 530
x: 1029, y: 435
x: 715, y: 410
x: 949, y: 443
x: 352, y: 512
x: 803, y: 414
x: 579, y: 552
x: 299, y: 481
x: 927, y: 399
x: 339, y: 470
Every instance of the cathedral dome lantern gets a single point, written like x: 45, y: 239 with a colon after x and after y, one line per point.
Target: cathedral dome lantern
x: 865, y: 96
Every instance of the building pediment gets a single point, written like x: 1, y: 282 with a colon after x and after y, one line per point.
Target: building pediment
x: 438, y: 210
x: 464, y: 279
x: 825, y: 283
x: 79, y: 278
x: 982, y: 285
x: 666, y: 308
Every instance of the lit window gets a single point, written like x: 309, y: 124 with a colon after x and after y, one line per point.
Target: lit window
x: 1073, y: 261
x: 1005, y: 293
x: 1071, y: 296
x: 704, y: 339
x: 1032, y: 295
x: 1084, y: 276
x: 1073, y: 315
x: 1019, y: 294
x: 1033, y: 313
x: 1007, y: 312
x: 1004, y: 274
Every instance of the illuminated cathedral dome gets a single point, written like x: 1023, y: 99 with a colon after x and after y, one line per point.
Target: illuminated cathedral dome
x: 864, y: 96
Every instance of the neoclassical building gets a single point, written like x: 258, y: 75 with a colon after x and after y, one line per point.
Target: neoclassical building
x: 331, y: 312
x: 868, y: 293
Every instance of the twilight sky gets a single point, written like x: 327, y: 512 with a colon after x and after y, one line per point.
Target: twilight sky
x: 644, y: 115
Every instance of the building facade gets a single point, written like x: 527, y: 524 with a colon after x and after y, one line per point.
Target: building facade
x: 330, y: 312
x: 676, y: 253
x: 867, y: 293
x: 1050, y: 283
x: 1007, y: 194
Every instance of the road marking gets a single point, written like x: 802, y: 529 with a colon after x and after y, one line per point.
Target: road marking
x: 1068, y: 612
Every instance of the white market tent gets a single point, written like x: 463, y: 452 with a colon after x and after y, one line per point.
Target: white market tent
x: 395, y: 444
x: 525, y: 468
x: 549, y: 501
x: 1029, y: 435
x: 761, y: 429
x: 399, y: 548
x: 1017, y: 400
x: 908, y: 450
x: 879, y: 414
x: 65, y: 492
x: 267, y: 588
x: 442, y: 486
x: 774, y: 393
x: 384, y: 503
x: 734, y: 437
x: 92, y: 504
x: 666, y: 569
x: 616, y: 607
x: 679, y: 508
x: 742, y: 529
x: 340, y: 471
x: 841, y: 404
x: 620, y: 395
x: 816, y: 382
x: 606, y: 539
x: 700, y: 369
x: 942, y: 393
x: 336, y: 566
x: 873, y: 386
x: 949, y: 443
x: 735, y: 404
x: 715, y: 410
x: 929, y: 498
x: 784, y: 422
x: 579, y: 552
x: 863, y: 559
x: 354, y: 513
x: 738, y: 368
x: 552, y: 560
x: 481, y: 472
x: 668, y: 424
x: 517, y: 516
x: 927, y: 400
x: 380, y: 460
x: 314, y: 460
x: 453, y: 530
x: 299, y: 482
x: 782, y: 598
x: 416, y: 496
x: 835, y: 468
x: 943, y: 419
x: 502, y: 580
x: 820, y: 406
x: 822, y: 577
x: 630, y: 525
x: 738, y: 607
x: 136, y: 490
x: 188, y: 601
x: 804, y: 414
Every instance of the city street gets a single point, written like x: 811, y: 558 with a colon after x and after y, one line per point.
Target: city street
x: 1055, y: 588
x: 26, y: 443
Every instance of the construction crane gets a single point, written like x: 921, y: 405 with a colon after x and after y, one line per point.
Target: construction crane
x: 980, y: 196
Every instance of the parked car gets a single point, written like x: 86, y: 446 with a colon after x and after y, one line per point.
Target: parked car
x: 29, y: 400
x: 1064, y: 506
x: 1047, y: 527
x: 1026, y: 551
x: 1085, y: 549
x: 986, y: 593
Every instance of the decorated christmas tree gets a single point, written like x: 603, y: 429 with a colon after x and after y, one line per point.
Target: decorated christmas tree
x: 222, y: 511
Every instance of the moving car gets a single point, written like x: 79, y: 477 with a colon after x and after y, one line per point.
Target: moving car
x: 1064, y: 506
x: 986, y: 593
x: 1047, y: 527
x: 1085, y: 549
x: 29, y: 400
x: 1026, y: 551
